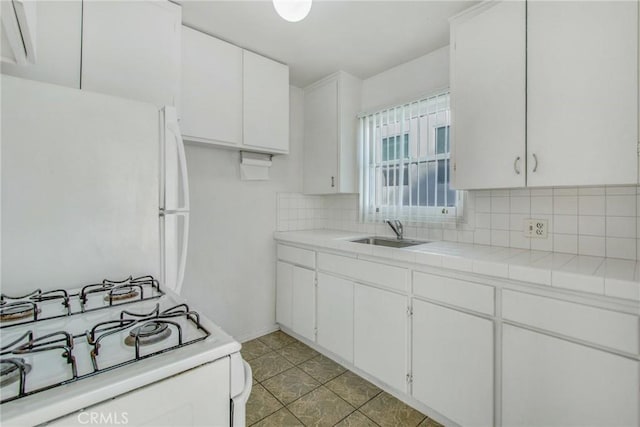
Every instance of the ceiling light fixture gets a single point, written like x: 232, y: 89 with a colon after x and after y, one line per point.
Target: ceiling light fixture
x: 292, y: 10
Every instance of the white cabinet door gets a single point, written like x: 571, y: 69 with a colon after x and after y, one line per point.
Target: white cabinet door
x: 547, y: 381
x: 304, y: 302
x: 582, y: 93
x: 211, y: 89
x: 266, y: 103
x: 453, y: 363
x: 380, y: 334
x: 131, y: 49
x: 321, y: 138
x: 284, y: 293
x: 58, y: 38
x: 335, y: 315
x: 488, y: 96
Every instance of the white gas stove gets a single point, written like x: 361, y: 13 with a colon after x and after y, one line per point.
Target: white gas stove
x: 63, y: 351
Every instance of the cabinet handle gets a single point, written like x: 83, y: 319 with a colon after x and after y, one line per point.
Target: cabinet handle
x: 333, y: 181
x: 535, y: 165
x: 515, y: 165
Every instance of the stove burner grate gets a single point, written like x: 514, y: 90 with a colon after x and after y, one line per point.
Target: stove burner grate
x: 15, y: 368
x: 121, y: 293
x: 26, y: 306
x: 18, y: 310
x: 144, y: 329
x: 12, y: 369
x: 149, y: 333
x: 115, y: 291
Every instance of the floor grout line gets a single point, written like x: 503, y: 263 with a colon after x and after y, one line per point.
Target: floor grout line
x: 321, y: 383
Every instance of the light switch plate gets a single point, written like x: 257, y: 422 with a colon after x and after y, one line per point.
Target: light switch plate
x: 536, y: 228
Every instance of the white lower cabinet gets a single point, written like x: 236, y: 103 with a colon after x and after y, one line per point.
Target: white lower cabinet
x: 304, y: 302
x: 296, y: 299
x: 380, y: 334
x: 548, y: 381
x: 284, y: 293
x: 448, y: 343
x: 453, y: 363
x: 335, y: 315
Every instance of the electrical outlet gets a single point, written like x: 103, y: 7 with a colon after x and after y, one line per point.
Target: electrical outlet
x: 536, y: 228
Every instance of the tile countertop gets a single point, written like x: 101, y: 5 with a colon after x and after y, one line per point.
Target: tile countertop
x: 603, y: 276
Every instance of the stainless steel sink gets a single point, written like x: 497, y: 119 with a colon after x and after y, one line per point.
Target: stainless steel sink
x: 392, y: 243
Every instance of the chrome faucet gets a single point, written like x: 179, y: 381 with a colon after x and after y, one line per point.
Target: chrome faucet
x: 396, y: 226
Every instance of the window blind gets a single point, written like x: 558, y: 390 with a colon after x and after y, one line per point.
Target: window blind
x: 405, y: 162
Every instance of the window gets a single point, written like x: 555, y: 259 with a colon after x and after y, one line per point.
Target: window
x: 406, y: 163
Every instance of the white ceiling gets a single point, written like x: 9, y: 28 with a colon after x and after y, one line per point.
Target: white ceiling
x: 363, y: 38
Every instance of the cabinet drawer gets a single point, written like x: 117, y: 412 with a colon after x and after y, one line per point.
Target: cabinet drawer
x: 471, y: 296
x: 603, y: 327
x: 366, y: 271
x: 303, y: 257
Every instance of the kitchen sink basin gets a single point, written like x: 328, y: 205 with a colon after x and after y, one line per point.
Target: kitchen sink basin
x: 392, y: 243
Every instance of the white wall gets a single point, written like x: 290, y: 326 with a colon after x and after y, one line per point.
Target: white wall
x: 230, y: 273
x: 407, y: 82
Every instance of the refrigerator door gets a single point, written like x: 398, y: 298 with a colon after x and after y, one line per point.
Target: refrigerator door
x: 174, y: 203
x: 175, y: 238
x: 174, y: 191
x: 79, y: 187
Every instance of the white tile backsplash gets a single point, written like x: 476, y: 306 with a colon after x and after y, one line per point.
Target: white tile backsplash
x: 483, y: 220
x: 571, y: 191
x: 565, y: 243
x: 499, y: 204
x: 565, y: 224
x: 621, y: 248
x: 594, y: 221
x: 621, y: 205
x: 621, y: 226
x: 543, y: 205
x: 565, y: 205
x: 591, y: 245
x: 542, y: 192
x: 591, y: 225
x: 591, y: 205
x: 520, y: 205
x: 591, y: 191
x: 499, y: 221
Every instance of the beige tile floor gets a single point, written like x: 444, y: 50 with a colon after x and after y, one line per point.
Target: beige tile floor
x: 293, y: 385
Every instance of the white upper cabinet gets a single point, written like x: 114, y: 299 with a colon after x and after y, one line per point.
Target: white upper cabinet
x: 132, y: 50
x: 232, y: 97
x: 488, y: 96
x: 265, y: 104
x: 580, y: 88
x: 582, y: 93
x: 211, y: 89
x: 330, y: 134
x: 320, y: 167
x: 57, y: 43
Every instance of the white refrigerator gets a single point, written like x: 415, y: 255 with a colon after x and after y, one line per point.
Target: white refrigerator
x: 96, y: 190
